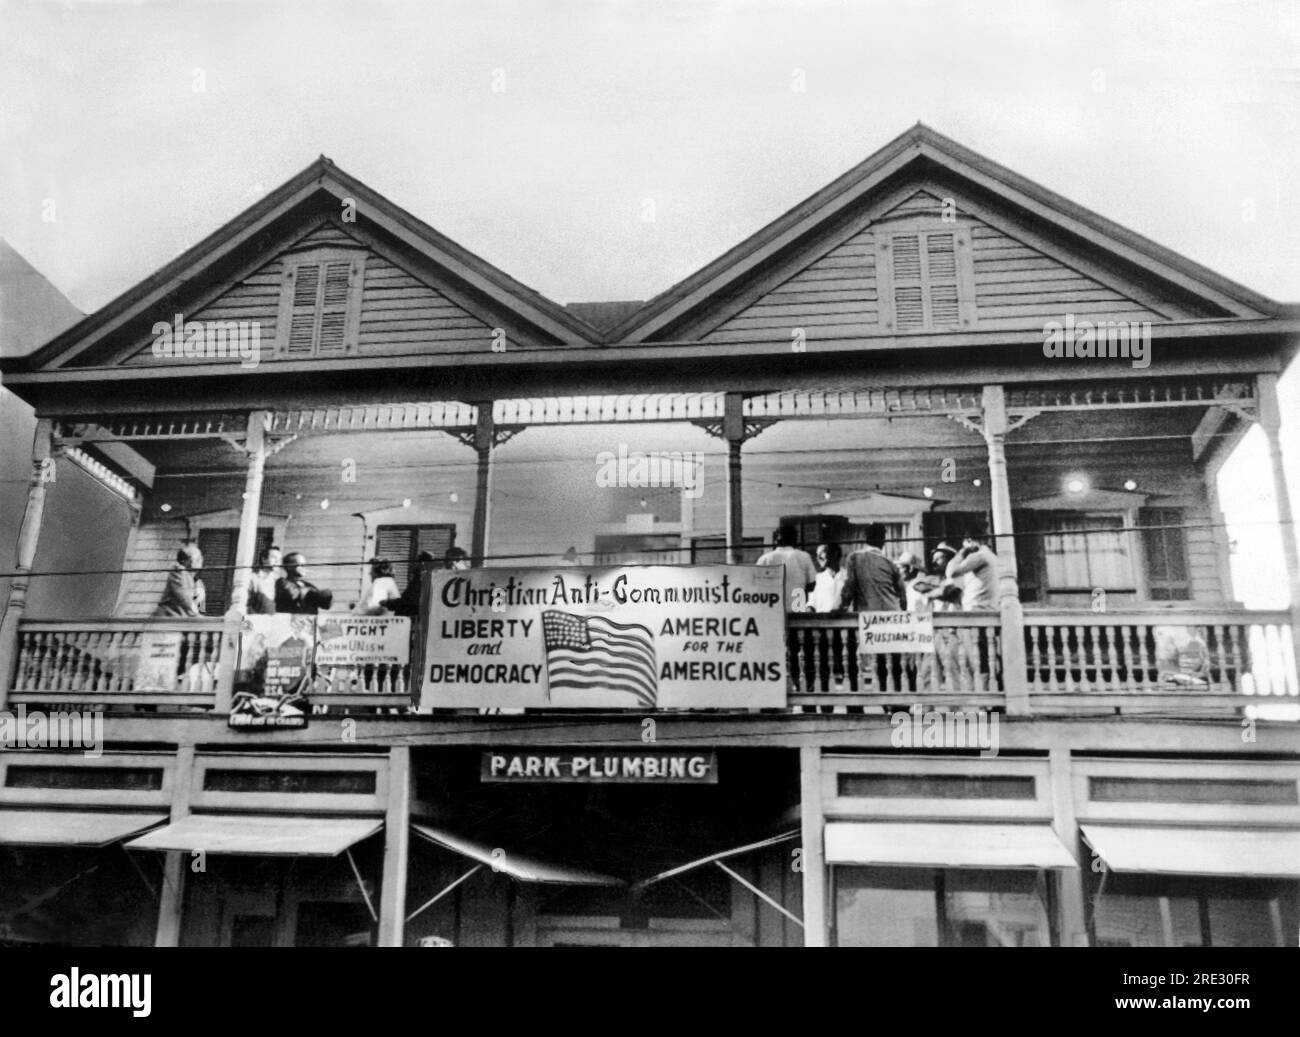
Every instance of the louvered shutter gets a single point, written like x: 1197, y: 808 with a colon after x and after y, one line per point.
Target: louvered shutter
x: 921, y: 276
x: 320, y: 306
x: 334, y: 307
x: 305, y: 286
x: 1165, y: 548
x: 401, y: 545
x: 218, y: 547
x: 397, y: 545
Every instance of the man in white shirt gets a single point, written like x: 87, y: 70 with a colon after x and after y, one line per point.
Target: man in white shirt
x: 830, y: 579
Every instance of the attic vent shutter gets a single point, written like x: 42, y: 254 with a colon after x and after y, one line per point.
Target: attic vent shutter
x: 320, y: 304
x: 334, y: 307
x: 926, y: 292
x: 302, y: 327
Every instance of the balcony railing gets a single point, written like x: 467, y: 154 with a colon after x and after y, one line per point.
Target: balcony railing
x: 1197, y: 659
x: 1186, y: 661
x: 965, y: 670
x: 105, y: 662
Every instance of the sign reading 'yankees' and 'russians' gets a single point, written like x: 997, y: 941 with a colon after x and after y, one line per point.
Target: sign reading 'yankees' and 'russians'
x: 631, y: 637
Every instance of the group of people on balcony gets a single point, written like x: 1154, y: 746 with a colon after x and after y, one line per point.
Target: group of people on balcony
x: 963, y: 579
x: 289, y: 590
x: 959, y: 579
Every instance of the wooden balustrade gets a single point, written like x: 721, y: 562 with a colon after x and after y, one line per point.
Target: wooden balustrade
x: 965, y: 669
x: 382, y: 686
x: 1162, y: 660
x: 1186, y: 660
x: 104, y: 663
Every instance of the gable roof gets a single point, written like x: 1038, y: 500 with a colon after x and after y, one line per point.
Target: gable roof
x: 922, y: 151
x: 32, y: 310
x: 244, y: 230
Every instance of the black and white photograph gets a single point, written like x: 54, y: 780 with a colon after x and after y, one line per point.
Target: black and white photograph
x: 699, y: 474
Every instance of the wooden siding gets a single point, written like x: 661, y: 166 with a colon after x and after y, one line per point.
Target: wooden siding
x: 400, y: 314
x: 1016, y: 287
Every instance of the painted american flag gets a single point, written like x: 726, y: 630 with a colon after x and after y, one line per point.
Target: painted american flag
x: 591, y: 653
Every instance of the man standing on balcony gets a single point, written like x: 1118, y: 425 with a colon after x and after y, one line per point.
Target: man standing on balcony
x: 293, y: 592
x: 261, y: 588
x: 978, y: 567
x: 874, y: 584
x: 184, y: 595
x: 800, y: 572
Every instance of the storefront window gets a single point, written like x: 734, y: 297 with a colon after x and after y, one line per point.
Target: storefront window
x: 923, y: 907
x: 1152, y: 911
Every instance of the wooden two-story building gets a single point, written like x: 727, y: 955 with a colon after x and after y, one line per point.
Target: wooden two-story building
x: 931, y: 342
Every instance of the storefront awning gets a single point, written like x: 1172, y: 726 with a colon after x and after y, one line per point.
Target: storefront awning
x: 72, y: 827
x: 258, y: 835
x: 946, y: 845
x: 523, y: 868
x: 1241, y: 852
x: 681, y: 869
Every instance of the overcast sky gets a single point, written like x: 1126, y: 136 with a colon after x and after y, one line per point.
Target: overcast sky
x: 533, y: 133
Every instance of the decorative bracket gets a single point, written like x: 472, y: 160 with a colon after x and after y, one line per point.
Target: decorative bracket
x: 753, y: 426
x: 973, y: 421
x: 501, y: 434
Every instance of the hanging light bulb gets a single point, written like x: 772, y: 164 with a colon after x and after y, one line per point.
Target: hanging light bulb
x: 643, y: 502
x: 455, y: 498
x: 978, y: 482
x: 406, y: 502
x: 164, y: 507
x: 324, y: 504
x: 927, y: 491
x: 1129, y: 484
x: 826, y: 495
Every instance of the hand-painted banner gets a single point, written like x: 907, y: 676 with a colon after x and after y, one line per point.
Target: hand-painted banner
x: 633, y: 637
x: 362, y: 640
x: 895, y: 632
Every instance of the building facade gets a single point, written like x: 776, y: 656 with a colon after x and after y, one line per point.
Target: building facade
x: 1103, y: 751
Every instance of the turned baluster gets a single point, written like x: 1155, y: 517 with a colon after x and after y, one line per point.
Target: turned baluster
x: 1142, y: 631
x: 1114, y: 653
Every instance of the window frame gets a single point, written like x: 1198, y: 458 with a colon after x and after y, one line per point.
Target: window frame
x: 886, y: 234
x: 321, y: 257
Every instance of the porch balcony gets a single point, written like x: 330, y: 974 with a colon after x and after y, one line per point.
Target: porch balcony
x: 1077, y: 662
x: 343, y: 484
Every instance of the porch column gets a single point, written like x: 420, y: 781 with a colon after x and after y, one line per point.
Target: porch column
x: 1270, y: 419
x: 733, y: 431
x: 28, y: 535
x: 255, y: 446
x: 1013, y: 616
x: 812, y: 858
x: 484, y: 440
x: 397, y: 848
x: 172, y: 895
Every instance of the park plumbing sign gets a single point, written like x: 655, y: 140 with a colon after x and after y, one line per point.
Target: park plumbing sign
x: 601, y: 766
x: 632, y: 637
